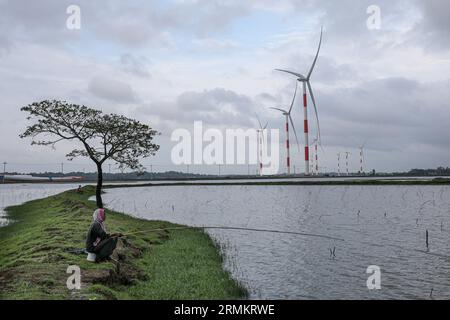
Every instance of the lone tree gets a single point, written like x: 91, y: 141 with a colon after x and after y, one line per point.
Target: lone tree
x: 102, y: 136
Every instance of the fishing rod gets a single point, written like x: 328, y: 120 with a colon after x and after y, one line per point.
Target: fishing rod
x: 238, y: 229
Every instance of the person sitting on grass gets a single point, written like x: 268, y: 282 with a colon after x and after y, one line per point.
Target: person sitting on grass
x: 98, y: 240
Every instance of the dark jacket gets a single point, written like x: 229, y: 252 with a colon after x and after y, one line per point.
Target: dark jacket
x: 95, y: 231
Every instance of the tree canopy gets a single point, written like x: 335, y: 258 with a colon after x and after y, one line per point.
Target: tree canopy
x: 101, y: 136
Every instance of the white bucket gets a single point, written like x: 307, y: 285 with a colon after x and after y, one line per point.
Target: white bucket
x: 91, y: 257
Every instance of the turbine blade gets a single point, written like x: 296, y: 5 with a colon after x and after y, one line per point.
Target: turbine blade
x: 293, y: 99
x: 298, y: 75
x: 320, y: 144
x: 284, y: 111
x: 364, y: 144
x: 315, y: 111
x: 260, y: 126
x: 317, y: 55
x: 265, y: 127
x: 295, y: 132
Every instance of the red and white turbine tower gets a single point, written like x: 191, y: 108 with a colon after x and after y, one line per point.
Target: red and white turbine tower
x: 316, y: 157
x: 361, y: 159
x: 305, y: 80
x: 287, y: 114
x: 346, y: 162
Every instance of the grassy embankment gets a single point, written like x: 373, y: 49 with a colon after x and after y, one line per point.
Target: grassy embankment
x: 36, y: 251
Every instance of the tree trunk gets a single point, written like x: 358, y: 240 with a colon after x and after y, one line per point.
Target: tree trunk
x: 98, y: 191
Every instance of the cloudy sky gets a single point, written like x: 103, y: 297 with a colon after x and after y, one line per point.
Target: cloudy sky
x: 170, y: 63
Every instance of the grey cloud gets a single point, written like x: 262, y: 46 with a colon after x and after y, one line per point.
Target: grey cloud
x: 267, y: 99
x: 434, y: 27
x: 393, y: 113
x: 112, y: 90
x: 124, y: 23
x: 137, y: 26
x: 35, y: 21
x: 213, y: 45
x: 138, y: 66
x: 215, y: 107
x: 328, y: 71
x: 132, y: 24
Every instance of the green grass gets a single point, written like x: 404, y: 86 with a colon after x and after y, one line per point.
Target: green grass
x: 175, y: 264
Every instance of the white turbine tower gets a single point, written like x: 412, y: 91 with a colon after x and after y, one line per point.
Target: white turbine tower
x: 287, y: 114
x: 260, y: 142
x: 305, y: 80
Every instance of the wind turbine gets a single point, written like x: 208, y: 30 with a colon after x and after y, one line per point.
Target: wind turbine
x: 287, y: 114
x: 260, y: 142
x: 316, y: 156
x: 339, y: 163
x: 346, y: 161
x: 361, y: 158
x: 305, y: 80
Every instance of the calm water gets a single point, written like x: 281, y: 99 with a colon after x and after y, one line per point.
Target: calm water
x: 15, y: 194
x: 12, y: 194
x: 389, y: 232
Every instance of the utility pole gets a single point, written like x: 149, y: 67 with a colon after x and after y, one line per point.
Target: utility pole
x: 219, y: 169
x: 109, y: 165
x: 62, y: 167
x: 248, y: 169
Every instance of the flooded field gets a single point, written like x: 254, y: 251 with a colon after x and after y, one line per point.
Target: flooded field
x: 381, y: 225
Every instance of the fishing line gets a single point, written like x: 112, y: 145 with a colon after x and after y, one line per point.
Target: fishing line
x: 240, y: 229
